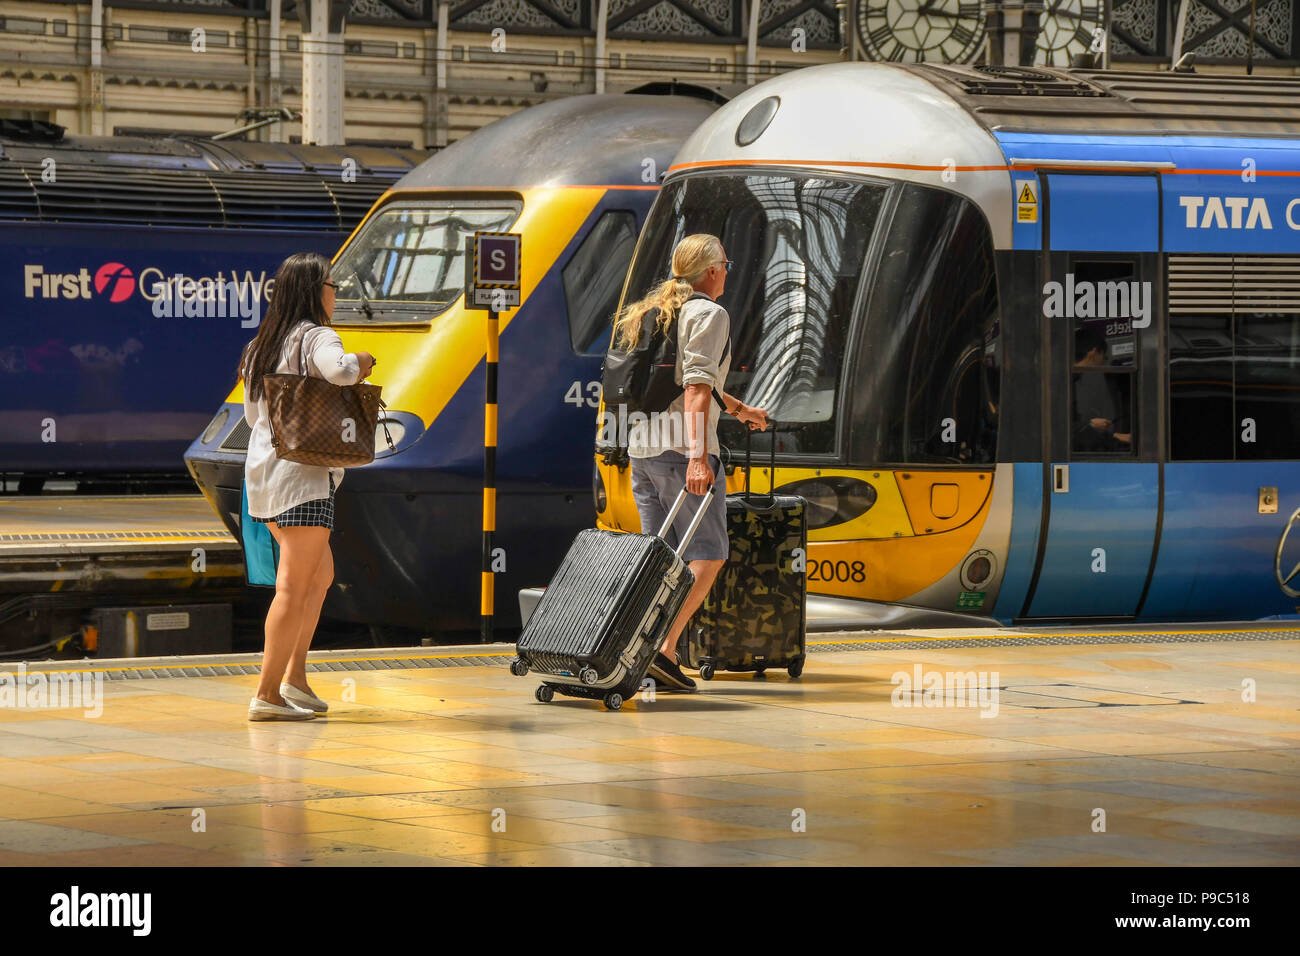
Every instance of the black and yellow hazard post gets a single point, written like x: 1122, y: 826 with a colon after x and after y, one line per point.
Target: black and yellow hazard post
x: 492, y: 270
x: 490, y: 472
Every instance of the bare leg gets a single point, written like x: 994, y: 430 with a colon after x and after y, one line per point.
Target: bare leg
x: 705, y: 572
x: 296, y: 675
x: 300, y: 556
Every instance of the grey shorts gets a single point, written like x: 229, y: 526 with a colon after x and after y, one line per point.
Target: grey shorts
x: 656, y: 483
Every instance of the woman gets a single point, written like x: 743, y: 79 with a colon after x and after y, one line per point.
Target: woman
x: 664, y: 460
x: 295, y: 501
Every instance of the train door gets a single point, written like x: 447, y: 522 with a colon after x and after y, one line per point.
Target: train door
x: 1100, y: 516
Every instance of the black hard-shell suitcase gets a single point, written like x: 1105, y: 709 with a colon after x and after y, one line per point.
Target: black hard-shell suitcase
x: 756, y: 612
x: 606, y: 612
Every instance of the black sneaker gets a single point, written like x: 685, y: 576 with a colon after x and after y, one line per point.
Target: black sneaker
x: 668, y: 674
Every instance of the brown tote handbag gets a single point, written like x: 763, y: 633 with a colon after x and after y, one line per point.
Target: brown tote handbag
x: 315, y: 422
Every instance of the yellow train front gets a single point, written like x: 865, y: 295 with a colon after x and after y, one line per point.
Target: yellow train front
x: 973, y: 450
x: 575, y: 177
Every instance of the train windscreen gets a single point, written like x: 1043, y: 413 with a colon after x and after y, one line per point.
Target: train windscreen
x: 408, y: 262
x: 798, y: 244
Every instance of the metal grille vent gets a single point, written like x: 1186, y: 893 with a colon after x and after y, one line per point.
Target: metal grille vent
x: 1022, y: 81
x: 237, y: 440
x: 1228, y: 284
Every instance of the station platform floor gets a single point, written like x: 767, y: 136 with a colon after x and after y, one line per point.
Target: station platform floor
x: 1162, y: 746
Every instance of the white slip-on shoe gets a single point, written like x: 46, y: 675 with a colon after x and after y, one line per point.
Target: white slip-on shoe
x: 259, y: 709
x: 302, y: 699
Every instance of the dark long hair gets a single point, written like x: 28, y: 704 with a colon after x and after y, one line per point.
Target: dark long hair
x: 295, y: 296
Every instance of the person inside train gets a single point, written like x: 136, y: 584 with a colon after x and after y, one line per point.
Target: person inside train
x: 1097, y: 415
x: 294, y: 500
x: 664, y: 460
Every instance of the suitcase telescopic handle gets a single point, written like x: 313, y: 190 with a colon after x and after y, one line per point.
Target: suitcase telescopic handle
x: 749, y: 464
x: 695, y: 521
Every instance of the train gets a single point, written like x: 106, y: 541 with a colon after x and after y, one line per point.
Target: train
x: 575, y: 177
x: 1031, y: 336
x: 95, y: 382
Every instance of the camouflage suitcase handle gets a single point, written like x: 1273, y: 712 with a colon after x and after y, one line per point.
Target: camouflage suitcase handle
x: 749, y: 494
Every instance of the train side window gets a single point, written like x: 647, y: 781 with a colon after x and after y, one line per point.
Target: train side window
x: 1266, y: 386
x: 1101, y: 409
x: 1200, y: 387
x: 593, y: 279
x: 927, y: 378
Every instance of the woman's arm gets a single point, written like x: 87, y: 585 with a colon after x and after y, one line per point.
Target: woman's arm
x: 334, y: 364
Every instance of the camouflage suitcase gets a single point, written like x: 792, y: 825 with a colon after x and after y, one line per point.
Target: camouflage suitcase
x: 755, y: 614
x: 606, y: 612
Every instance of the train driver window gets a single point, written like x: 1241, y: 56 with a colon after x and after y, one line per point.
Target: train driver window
x: 593, y: 279
x: 1102, y: 300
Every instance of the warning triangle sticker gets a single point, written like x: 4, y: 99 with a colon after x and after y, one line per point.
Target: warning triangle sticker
x: 1027, y: 195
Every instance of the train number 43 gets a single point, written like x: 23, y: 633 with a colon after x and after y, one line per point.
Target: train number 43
x: 574, y: 396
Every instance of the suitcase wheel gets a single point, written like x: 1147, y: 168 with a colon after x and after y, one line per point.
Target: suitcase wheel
x: 613, y: 700
x: 518, y: 667
x: 796, y: 667
x: 706, y: 672
x: 588, y: 675
x: 545, y: 693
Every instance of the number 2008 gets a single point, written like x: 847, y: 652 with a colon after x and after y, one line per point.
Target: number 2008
x: 837, y: 571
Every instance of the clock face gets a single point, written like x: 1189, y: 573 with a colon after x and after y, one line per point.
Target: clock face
x: 1069, y: 27
x: 921, y: 31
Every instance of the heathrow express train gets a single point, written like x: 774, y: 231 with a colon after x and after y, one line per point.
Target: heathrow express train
x: 93, y: 379
x: 1034, y: 335
x: 575, y: 177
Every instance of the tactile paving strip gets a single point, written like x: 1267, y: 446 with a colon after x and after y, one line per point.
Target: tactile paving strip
x: 882, y: 642
x: 255, y: 667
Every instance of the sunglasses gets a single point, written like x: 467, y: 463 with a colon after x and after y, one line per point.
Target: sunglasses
x: 332, y: 285
x: 725, y: 262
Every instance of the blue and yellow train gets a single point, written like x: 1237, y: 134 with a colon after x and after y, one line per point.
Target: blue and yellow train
x: 1035, y: 335
x: 575, y: 177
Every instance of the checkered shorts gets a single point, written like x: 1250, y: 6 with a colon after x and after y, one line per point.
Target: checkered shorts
x: 317, y: 513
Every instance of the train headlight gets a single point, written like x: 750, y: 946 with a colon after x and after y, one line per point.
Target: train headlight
x: 978, y: 569
x: 214, y: 427
x: 598, y: 490
x: 833, y: 499
x: 757, y: 120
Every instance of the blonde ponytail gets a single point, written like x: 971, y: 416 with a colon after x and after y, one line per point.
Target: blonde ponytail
x: 691, y: 259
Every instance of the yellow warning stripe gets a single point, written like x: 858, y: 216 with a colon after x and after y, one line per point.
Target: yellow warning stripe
x: 1005, y: 637
x: 254, y: 658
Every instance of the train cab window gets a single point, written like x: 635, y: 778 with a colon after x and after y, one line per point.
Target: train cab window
x: 798, y: 244
x: 408, y: 261
x: 926, y: 380
x: 593, y: 279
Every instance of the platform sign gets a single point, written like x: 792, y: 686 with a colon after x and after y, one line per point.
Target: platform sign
x: 492, y: 270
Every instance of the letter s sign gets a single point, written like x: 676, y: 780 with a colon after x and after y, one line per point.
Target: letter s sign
x: 498, y: 259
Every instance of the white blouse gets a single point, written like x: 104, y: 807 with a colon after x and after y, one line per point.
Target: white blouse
x: 275, y: 485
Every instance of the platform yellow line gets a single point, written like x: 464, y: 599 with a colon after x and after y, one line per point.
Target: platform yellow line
x: 1008, y: 637
x: 199, y: 662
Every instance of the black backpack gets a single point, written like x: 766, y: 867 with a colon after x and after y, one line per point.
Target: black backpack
x: 641, y: 379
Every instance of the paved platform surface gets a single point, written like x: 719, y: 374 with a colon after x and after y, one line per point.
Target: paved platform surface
x: 1125, y: 753
x: 91, y: 524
